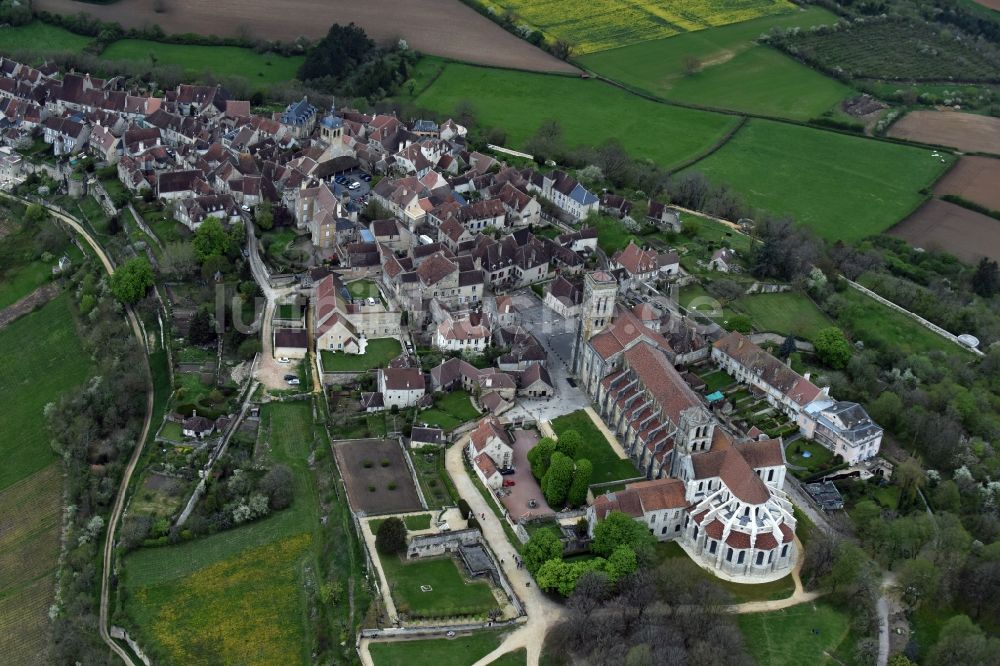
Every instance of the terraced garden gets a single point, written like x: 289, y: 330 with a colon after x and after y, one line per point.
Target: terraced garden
x: 239, y: 595
x: 595, y: 26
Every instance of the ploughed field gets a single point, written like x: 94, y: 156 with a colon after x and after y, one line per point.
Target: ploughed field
x: 974, y: 178
x: 442, y: 27
x: 965, y: 131
x: 939, y: 225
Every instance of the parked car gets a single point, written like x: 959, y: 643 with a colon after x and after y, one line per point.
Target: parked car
x: 246, y: 208
x: 507, y: 471
x: 366, y: 177
x: 289, y: 378
x: 294, y: 381
x: 509, y: 483
x: 284, y: 360
x: 353, y: 186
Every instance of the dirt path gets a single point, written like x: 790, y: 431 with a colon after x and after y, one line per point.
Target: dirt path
x: 445, y: 28
x: 38, y: 297
x: 799, y: 596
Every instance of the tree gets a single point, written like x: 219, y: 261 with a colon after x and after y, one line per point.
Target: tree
x: 619, y: 529
x: 832, y: 348
x: 962, y: 642
x: 919, y: 579
x: 36, y: 213
x: 178, y: 260
x: 390, y: 538
x: 621, y: 563
x: 569, y: 443
x: 210, y: 240
x: 132, y: 280
x: 577, y: 495
x: 986, y: 279
x: 910, y: 477
x: 557, y: 480
x: 539, y: 456
x: 337, y: 54
x: 544, y: 545
x: 278, y: 485
x: 264, y: 215
x: 200, y: 330
x: 788, y: 347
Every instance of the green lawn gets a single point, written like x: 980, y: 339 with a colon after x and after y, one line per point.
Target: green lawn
x: 264, y: 68
x: 588, y: 111
x: 450, y: 410
x: 515, y: 658
x: 842, y: 187
x: 670, y: 554
x: 612, y: 234
x: 458, y: 651
x: 38, y: 36
x: 364, y: 289
x: 48, y: 362
x: 818, y: 454
x: 735, y: 73
x: 717, y: 380
x: 181, y: 599
x: 451, y: 594
x: 413, y: 523
x: 377, y: 355
x: 172, y: 430
x: 882, y: 327
x: 789, y: 312
x: 596, y: 448
x: 803, y: 634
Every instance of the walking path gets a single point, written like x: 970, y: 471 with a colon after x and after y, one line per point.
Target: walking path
x: 799, y: 596
x: 116, y: 511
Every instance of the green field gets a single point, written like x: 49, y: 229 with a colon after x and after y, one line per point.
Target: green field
x: 377, y: 354
x: 595, y: 448
x: 515, y: 658
x: 595, y: 26
x: 589, y: 112
x: 38, y: 36
x: 786, y: 313
x: 842, y: 187
x: 458, y: 651
x: 239, y: 595
x: 451, y: 594
x: 733, y: 71
x: 670, y: 554
x: 450, y: 410
x: 265, y: 68
x: 803, y: 634
x: 49, y: 361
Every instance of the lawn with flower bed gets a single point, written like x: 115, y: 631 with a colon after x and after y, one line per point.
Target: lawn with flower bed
x: 597, y: 26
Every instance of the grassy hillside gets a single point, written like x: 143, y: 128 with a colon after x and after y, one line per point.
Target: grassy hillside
x: 733, y: 72
x: 843, y: 187
x: 589, y: 112
x: 48, y: 362
x: 240, y: 595
x: 265, y: 68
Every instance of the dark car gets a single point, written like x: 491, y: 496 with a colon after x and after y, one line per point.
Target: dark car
x: 508, y: 470
x: 366, y: 177
x: 288, y: 377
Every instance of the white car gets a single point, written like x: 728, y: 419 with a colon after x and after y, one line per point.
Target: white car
x: 246, y: 208
x: 293, y: 382
x: 284, y: 360
x: 353, y: 186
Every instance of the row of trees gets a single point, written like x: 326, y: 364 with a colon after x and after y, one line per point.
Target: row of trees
x: 564, y: 478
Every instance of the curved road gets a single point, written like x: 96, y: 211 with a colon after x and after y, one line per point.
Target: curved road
x: 116, y: 511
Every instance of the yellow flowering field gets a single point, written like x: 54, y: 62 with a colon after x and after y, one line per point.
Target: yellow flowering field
x: 246, y: 609
x: 598, y: 25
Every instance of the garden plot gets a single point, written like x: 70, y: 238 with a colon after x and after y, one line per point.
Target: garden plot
x: 377, y: 476
x: 427, y: 588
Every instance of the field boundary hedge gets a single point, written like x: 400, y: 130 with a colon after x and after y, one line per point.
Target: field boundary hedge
x: 714, y: 148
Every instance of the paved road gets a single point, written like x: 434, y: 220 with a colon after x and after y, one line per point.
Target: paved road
x: 116, y: 511
x: 542, y: 612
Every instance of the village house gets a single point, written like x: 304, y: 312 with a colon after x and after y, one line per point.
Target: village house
x: 401, y: 387
x: 491, y: 439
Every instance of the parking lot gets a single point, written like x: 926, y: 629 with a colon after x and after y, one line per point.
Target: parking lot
x: 517, y: 497
x: 359, y: 195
